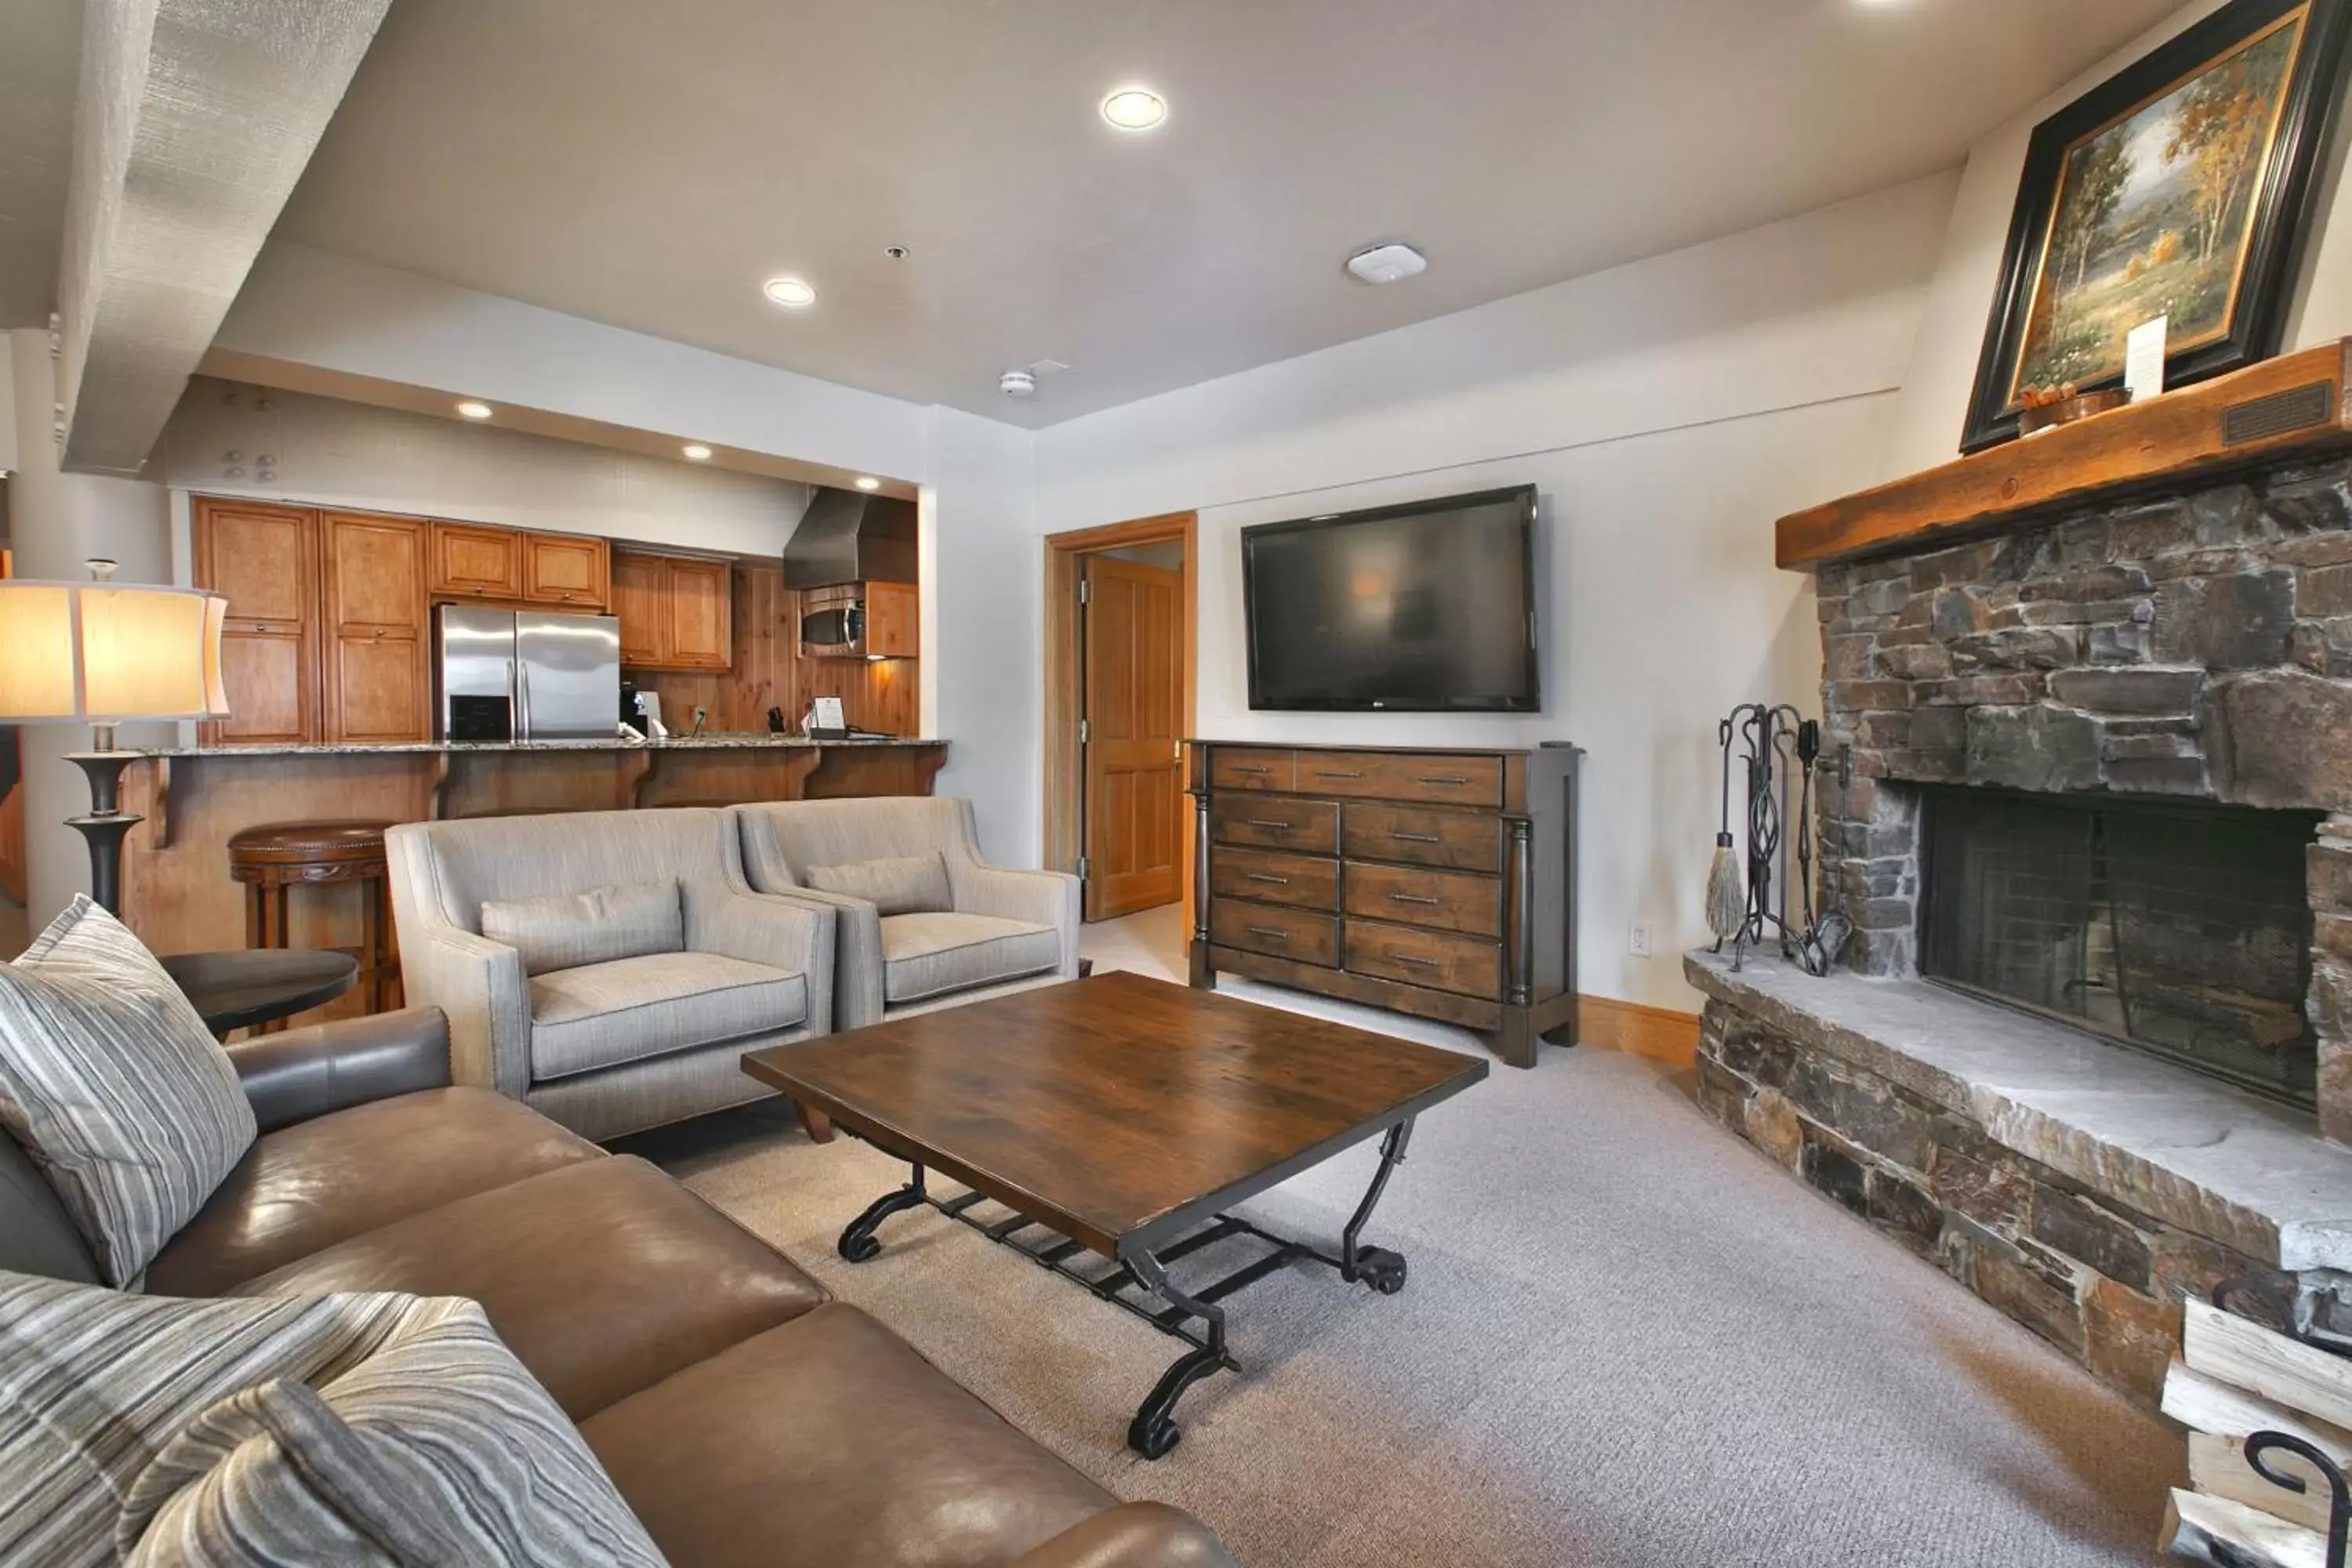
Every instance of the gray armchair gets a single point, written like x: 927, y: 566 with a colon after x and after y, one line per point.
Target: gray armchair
x: 910, y: 938
x: 631, y: 968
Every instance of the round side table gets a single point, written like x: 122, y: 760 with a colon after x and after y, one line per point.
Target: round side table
x: 247, y: 987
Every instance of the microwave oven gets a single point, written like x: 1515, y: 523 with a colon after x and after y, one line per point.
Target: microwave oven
x: 836, y: 629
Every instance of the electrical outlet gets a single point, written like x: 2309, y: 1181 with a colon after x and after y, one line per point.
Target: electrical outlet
x: 1637, y: 939
x: 700, y: 713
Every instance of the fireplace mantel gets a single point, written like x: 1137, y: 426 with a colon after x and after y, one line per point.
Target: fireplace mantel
x: 2262, y: 415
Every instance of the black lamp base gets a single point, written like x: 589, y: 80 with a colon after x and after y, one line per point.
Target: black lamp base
x: 105, y: 825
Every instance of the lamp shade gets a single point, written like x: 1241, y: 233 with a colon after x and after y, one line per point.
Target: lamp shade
x: 105, y: 653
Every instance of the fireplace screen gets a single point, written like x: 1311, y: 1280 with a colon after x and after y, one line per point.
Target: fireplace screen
x: 2184, y: 929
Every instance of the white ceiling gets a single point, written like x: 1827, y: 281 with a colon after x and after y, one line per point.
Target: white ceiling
x: 648, y: 165
x: 40, y: 55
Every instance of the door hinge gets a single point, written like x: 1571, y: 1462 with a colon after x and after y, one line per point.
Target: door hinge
x: 1084, y: 870
x: 1082, y: 731
x: 1086, y: 591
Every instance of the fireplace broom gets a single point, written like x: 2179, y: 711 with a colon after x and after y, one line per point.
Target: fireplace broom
x: 1726, y: 905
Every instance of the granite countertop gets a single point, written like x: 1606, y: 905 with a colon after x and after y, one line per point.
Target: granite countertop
x: 698, y: 744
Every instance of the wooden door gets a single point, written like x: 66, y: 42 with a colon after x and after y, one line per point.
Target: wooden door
x: 1134, y: 632
x: 700, y: 615
x: 641, y: 601
x: 264, y: 560
x: 477, y: 561
x: 564, y: 568
x: 376, y: 681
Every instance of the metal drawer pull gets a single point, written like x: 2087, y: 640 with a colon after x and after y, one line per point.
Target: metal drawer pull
x: 1251, y: 768
x: 1445, y: 778
x: 1400, y: 833
x: 1338, y: 773
x: 1269, y: 932
x: 1269, y: 822
x: 1269, y: 877
x: 1416, y: 962
x: 1413, y: 898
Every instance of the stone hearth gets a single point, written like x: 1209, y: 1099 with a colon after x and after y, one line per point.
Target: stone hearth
x: 2078, y: 1185
x: 2196, y: 645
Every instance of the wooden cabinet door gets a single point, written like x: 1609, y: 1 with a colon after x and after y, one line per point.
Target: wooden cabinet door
x: 265, y: 559
x: 477, y: 561
x: 376, y: 683
x: 701, y: 617
x: 564, y: 568
x: 891, y: 629
x: 641, y: 601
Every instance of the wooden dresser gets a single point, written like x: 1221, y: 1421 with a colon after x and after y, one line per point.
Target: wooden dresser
x: 1438, y: 883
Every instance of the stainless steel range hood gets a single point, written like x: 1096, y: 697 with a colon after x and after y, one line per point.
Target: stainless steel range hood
x: 849, y: 537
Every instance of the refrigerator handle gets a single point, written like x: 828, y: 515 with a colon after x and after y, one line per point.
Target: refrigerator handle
x: 522, y: 708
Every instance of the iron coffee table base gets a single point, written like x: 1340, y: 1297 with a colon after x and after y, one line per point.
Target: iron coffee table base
x: 1142, y: 1275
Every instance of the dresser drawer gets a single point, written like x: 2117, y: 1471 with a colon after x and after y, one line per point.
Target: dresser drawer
x: 1453, y: 839
x: 1462, y: 964
x: 1444, y: 900
x: 1232, y: 767
x: 1310, y: 826
x: 1381, y: 775
x: 1281, y: 933
x: 1300, y: 879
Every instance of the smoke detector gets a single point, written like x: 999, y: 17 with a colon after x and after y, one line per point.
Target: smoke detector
x: 1017, y: 384
x: 1387, y: 263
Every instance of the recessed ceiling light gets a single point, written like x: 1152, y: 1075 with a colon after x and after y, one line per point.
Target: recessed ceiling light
x: 696, y: 452
x: 868, y: 482
x: 1135, y: 108
x: 1387, y: 263
x: 789, y: 292
x: 896, y: 252
x: 473, y: 410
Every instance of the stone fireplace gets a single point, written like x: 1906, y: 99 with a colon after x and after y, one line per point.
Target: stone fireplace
x: 2086, y: 796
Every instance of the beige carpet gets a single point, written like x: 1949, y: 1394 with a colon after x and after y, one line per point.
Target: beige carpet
x: 1627, y: 1340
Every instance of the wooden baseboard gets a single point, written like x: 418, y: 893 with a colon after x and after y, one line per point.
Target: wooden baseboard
x: 1657, y: 1033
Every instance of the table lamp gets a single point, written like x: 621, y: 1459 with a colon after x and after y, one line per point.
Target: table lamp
x: 103, y: 653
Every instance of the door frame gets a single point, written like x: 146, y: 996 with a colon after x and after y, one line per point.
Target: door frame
x: 1065, y: 771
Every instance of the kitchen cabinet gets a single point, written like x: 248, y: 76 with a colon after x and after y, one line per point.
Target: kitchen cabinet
x: 676, y: 611
x: 376, y: 677
x: 264, y: 560
x: 565, y: 570
x: 477, y: 562
x: 890, y: 621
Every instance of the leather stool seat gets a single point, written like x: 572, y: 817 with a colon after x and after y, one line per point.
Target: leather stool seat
x: 272, y: 857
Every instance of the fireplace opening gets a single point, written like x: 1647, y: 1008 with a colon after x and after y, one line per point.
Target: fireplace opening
x: 2181, y: 928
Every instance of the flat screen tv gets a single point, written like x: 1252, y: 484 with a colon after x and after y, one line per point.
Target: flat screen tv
x: 1427, y: 607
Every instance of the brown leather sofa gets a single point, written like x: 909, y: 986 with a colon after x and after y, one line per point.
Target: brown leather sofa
x: 746, y: 1417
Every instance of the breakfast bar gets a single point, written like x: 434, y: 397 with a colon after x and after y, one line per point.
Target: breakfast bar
x: 177, y: 892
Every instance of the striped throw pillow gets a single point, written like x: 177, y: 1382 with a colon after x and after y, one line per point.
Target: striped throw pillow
x: 264, y: 1430
x: 110, y: 1081
x: 95, y: 1382
x: 438, y: 1448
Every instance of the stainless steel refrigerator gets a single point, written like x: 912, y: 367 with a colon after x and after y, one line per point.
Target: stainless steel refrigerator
x: 527, y: 675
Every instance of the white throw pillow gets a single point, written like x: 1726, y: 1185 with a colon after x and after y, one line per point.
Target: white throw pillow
x: 110, y: 1081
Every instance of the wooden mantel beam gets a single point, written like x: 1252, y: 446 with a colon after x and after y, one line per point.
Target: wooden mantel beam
x: 2297, y: 403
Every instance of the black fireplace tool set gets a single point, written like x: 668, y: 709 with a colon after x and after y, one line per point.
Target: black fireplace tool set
x: 1776, y: 748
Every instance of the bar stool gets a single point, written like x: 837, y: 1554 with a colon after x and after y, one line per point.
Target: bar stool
x: 278, y: 855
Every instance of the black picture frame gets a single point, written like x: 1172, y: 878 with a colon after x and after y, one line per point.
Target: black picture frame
x: 2282, y: 212
x: 1523, y: 497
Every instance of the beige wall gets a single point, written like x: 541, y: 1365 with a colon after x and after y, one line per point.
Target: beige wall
x: 1928, y: 415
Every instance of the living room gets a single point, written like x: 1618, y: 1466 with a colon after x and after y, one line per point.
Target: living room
x: 1500, y: 1071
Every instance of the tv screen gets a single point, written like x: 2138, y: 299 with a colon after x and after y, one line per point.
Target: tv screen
x: 1429, y: 607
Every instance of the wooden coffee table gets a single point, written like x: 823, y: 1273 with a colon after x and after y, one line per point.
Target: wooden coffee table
x: 1124, y: 1116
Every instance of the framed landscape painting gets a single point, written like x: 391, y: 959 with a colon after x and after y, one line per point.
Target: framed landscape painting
x: 2180, y: 187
